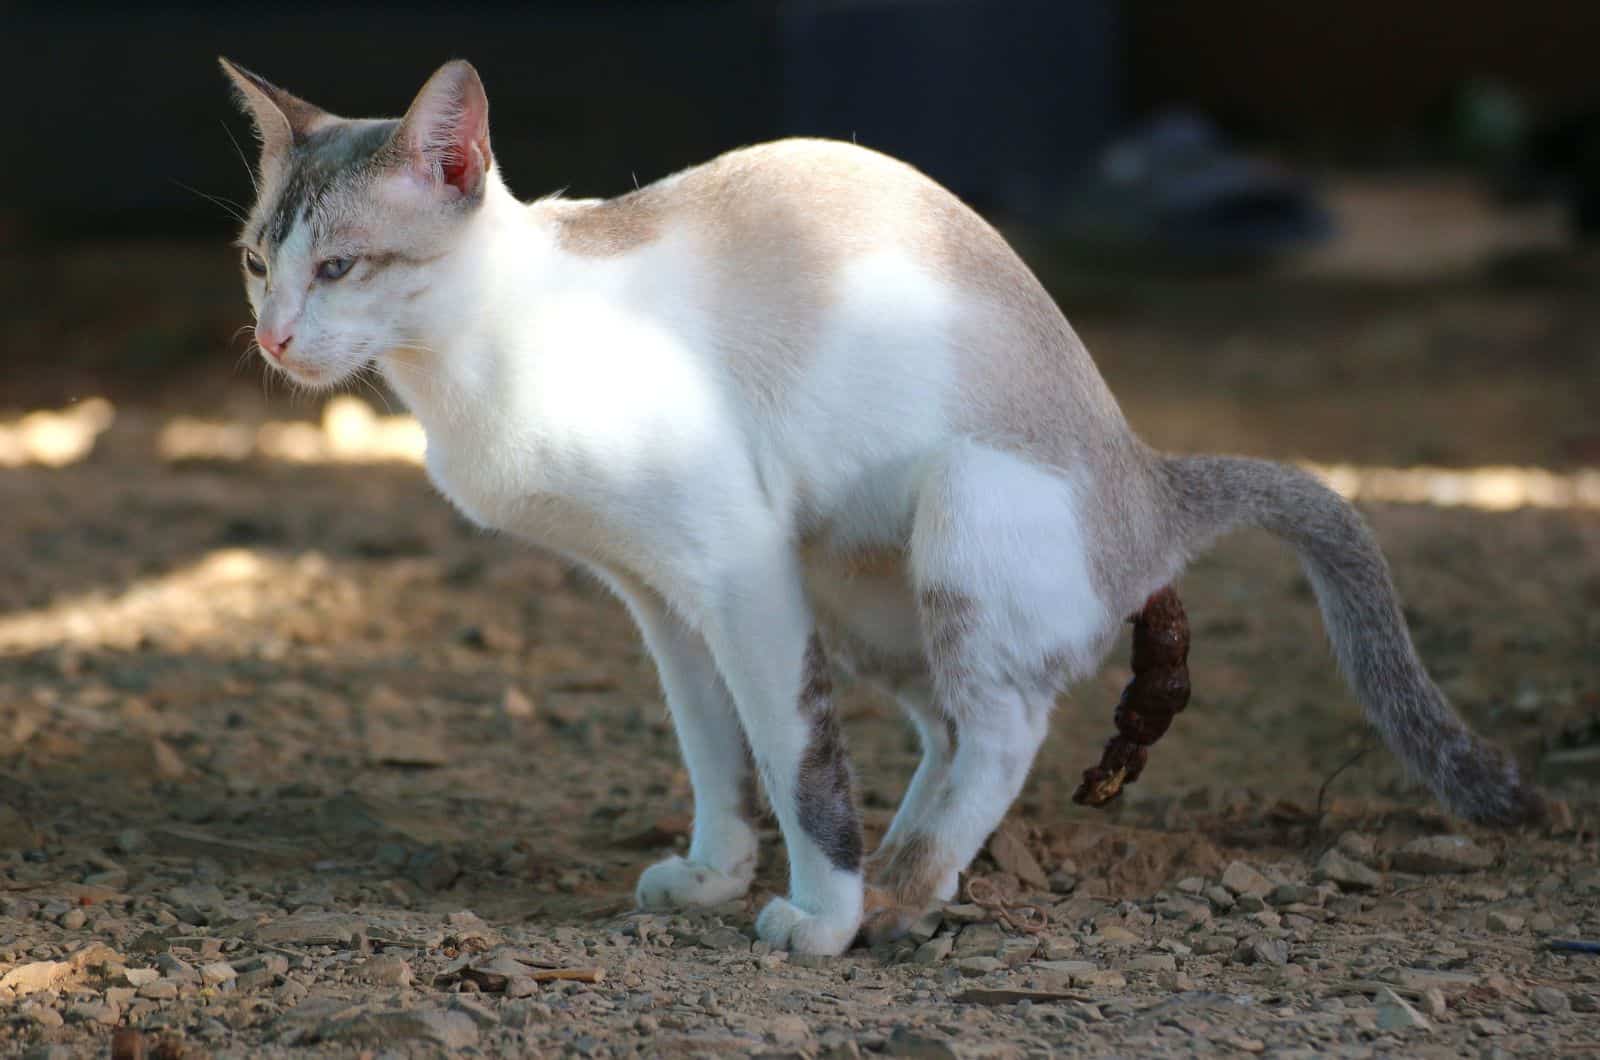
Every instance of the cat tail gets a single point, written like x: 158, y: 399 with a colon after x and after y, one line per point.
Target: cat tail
x: 1361, y: 611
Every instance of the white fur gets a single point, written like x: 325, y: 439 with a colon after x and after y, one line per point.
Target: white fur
x: 584, y: 403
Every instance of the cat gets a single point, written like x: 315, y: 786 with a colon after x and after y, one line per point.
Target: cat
x: 800, y: 408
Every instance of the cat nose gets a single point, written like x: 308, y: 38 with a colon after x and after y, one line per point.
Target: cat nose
x: 273, y: 342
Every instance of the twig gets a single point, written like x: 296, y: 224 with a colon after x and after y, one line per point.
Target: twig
x: 982, y: 892
x: 1322, y: 792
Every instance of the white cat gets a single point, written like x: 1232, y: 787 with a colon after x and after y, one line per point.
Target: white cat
x: 797, y: 405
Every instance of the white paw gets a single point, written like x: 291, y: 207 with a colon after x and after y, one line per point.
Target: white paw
x: 784, y: 925
x: 678, y: 883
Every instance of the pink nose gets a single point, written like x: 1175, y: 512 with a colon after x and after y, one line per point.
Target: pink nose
x: 273, y: 342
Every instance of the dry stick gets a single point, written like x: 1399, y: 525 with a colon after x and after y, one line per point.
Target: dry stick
x: 1158, y: 691
x: 1361, y: 752
x: 982, y: 892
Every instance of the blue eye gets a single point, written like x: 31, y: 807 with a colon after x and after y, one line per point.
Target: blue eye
x: 334, y: 268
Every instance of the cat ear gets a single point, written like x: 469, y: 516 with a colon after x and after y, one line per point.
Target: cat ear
x: 282, y: 119
x: 443, y: 140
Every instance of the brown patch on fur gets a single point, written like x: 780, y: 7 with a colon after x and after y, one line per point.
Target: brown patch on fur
x: 823, y: 796
x: 607, y: 227
x: 903, y: 882
x: 948, y: 619
x: 870, y: 561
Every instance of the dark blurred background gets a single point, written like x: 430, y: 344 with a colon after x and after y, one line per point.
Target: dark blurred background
x: 1139, y: 153
x: 115, y: 107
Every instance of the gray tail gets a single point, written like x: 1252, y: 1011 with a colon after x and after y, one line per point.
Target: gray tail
x: 1214, y: 494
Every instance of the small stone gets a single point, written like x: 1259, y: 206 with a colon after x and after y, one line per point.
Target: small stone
x: 1117, y: 935
x: 217, y: 973
x: 387, y: 970
x: 724, y: 938
x: 1358, y: 847
x: 967, y: 913
x: 44, y: 1016
x: 978, y: 940
x: 1250, y: 903
x: 432, y: 870
x: 1009, y: 848
x: 1504, y: 923
x: 160, y: 990
x: 176, y: 968
x: 926, y: 927
x: 934, y: 950
x: 1395, y: 1014
x: 94, y: 1012
x: 1063, y: 882
x: 1104, y: 978
x: 1487, y: 1028
x: 1441, y: 853
x: 34, y: 976
x: 521, y: 986
x: 1240, y: 879
x: 451, y: 1030
x: 788, y: 1029
x: 1434, y: 1002
x: 1174, y: 981
x: 1192, y: 884
x: 1269, y: 951
x: 1153, y: 962
x: 1585, y: 1003
x: 1057, y: 948
x: 1294, y: 894
x: 1542, y: 924
x: 1550, y: 1001
x: 1348, y: 873
x: 919, y: 1044
x: 73, y: 919
x: 975, y: 966
x: 1221, y: 898
x: 120, y: 996
x: 1017, y: 949
x: 137, y: 977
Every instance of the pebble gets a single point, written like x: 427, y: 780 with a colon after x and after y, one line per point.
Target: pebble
x: 1220, y: 897
x: 1154, y: 962
x: 1504, y: 923
x: 387, y: 970
x: 934, y: 950
x: 1395, y: 1014
x: 1174, y: 981
x: 1550, y: 1001
x: 1268, y: 951
x: 920, y: 1044
x: 452, y: 1030
x: 975, y: 966
x: 160, y: 990
x: 1358, y: 846
x: 73, y: 919
x: 1348, y: 873
x: 1240, y: 879
x: 217, y: 973
x: 1542, y: 924
x: 1441, y: 853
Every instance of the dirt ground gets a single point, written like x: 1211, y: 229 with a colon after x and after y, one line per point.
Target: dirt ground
x: 293, y: 760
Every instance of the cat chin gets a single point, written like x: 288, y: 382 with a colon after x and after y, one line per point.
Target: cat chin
x: 318, y: 377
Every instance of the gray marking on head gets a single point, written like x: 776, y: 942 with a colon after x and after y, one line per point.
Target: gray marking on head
x: 340, y: 154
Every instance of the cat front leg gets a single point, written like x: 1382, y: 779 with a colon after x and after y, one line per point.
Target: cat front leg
x: 766, y: 646
x: 722, y: 848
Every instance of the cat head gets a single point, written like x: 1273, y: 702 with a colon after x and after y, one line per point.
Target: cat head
x: 353, y: 218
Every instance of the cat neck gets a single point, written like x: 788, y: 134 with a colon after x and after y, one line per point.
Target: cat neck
x: 458, y: 363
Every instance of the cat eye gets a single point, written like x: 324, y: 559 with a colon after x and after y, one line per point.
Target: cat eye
x: 254, y: 263
x: 334, y: 268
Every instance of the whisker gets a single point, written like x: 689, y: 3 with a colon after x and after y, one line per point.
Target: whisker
x: 249, y: 170
x: 228, y: 206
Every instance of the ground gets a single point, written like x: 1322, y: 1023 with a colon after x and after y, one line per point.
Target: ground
x: 292, y: 759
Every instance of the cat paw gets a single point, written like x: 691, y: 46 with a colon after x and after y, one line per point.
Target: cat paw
x: 784, y: 925
x: 884, y: 920
x: 678, y: 883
